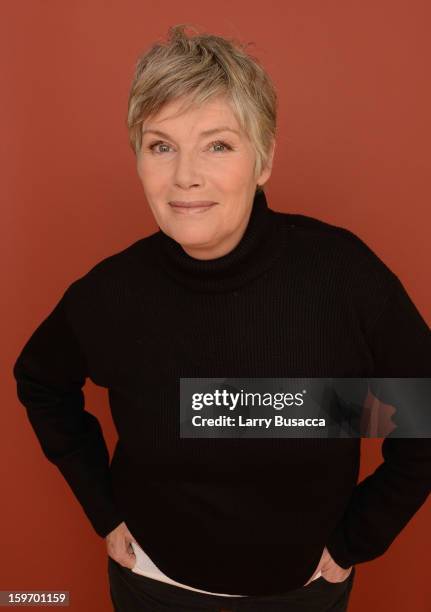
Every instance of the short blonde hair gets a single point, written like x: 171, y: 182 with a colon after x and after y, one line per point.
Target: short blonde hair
x: 200, y: 68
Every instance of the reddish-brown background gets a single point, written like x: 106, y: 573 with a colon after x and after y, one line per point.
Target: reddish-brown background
x: 353, y: 149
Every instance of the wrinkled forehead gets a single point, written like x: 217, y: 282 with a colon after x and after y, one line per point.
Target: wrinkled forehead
x: 208, y: 115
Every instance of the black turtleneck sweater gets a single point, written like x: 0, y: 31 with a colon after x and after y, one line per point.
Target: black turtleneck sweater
x: 297, y: 297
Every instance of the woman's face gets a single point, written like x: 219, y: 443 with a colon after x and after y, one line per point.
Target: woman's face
x: 185, y: 165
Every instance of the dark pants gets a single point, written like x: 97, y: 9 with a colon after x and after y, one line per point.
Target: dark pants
x: 132, y: 592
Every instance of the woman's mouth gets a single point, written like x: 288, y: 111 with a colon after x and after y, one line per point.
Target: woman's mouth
x: 191, y: 207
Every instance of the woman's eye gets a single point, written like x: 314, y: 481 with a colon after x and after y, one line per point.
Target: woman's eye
x: 218, y: 143
x: 156, y: 144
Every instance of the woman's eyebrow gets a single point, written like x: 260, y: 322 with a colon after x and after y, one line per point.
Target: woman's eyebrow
x: 204, y: 133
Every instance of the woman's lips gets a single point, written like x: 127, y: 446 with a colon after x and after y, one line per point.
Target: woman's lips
x: 191, y: 207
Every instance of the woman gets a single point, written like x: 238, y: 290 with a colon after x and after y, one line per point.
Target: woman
x: 227, y: 287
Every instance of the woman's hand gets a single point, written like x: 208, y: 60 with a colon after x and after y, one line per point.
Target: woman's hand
x: 119, y: 547
x: 331, y: 572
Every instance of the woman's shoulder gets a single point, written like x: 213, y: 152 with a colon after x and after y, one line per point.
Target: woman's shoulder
x: 315, y: 227
x: 325, y: 234
x: 338, y: 246
x: 118, y: 269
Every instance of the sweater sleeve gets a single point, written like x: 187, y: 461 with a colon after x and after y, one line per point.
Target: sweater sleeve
x: 50, y: 372
x: 383, y: 503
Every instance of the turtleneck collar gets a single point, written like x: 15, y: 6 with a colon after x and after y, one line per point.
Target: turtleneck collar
x: 259, y: 247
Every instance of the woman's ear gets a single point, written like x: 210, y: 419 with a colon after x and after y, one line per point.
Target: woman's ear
x: 266, y: 172
x: 272, y: 152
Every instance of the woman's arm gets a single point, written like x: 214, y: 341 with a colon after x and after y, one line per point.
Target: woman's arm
x: 50, y: 373
x: 383, y: 503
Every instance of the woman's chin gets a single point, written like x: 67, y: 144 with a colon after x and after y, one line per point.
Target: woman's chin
x: 194, y: 240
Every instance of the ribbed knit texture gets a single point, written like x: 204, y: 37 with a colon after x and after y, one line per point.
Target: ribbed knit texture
x: 297, y: 297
